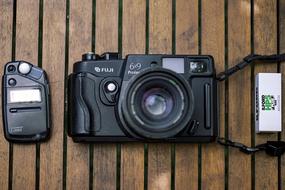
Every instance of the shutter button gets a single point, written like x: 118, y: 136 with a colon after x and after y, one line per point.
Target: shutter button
x: 24, y: 68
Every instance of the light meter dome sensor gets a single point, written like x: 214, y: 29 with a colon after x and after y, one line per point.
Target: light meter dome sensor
x: 24, y: 68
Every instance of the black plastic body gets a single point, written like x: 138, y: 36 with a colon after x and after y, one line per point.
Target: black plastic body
x: 25, y: 122
x: 94, y: 118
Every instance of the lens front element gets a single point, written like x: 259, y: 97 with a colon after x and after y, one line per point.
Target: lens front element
x: 157, y: 102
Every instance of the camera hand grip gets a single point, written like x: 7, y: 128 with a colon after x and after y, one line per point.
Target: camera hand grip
x: 82, y: 105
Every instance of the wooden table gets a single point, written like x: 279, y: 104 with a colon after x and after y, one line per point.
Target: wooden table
x: 54, y: 33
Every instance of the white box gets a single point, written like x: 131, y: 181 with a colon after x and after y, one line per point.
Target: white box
x: 268, y: 102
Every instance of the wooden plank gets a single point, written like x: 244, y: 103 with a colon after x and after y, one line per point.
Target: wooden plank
x: 265, y: 42
x: 107, y: 12
x: 282, y: 70
x: 239, y: 117
x: 80, y: 35
x: 134, y: 24
x: 133, y: 40
x: 132, y: 166
x: 54, y: 64
x: 160, y: 39
x: 186, y: 167
x: 213, y: 43
x: 24, y: 155
x: 6, y: 19
x: 104, y: 161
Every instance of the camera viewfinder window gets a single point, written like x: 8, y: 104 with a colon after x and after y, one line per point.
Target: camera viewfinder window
x: 174, y: 64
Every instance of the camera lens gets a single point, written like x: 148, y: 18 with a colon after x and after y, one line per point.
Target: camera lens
x: 158, y: 104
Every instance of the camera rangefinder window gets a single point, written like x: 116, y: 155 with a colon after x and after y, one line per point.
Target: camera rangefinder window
x: 25, y: 95
x: 198, y: 67
x: 174, y: 64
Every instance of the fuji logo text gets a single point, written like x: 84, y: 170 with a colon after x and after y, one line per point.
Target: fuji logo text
x: 104, y: 69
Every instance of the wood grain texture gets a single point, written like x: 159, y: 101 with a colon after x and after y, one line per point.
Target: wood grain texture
x: 160, y: 26
x: 134, y: 24
x: 187, y: 26
x: 159, y: 166
x: 80, y: 35
x: 133, y: 41
x: 265, y: 42
x: 213, y: 44
x: 186, y: 165
x: 104, y: 162
x: 282, y: 70
x: 53, y: 62
x: 160, y: 38
x: 107, y: 12
x: 239, y: 117
x: 132, y: 166
x: 24, y: 155
x: 6, y: 19
x: 104, y: 175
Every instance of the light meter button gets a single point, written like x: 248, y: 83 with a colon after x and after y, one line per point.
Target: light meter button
x: 12, y: 82
x: 11, y: 68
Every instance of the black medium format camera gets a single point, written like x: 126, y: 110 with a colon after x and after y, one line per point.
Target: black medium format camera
x: 143, y: 98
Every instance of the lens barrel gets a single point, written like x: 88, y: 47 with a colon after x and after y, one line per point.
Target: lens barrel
x: 158, y: 103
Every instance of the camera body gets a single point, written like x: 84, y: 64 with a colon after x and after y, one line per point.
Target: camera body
x: 152, y: 98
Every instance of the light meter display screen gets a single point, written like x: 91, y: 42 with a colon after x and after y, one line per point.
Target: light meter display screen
x: 26, y: 95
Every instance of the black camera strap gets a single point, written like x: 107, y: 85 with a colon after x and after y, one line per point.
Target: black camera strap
x: 247, y: 61
x: 273, y: 148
